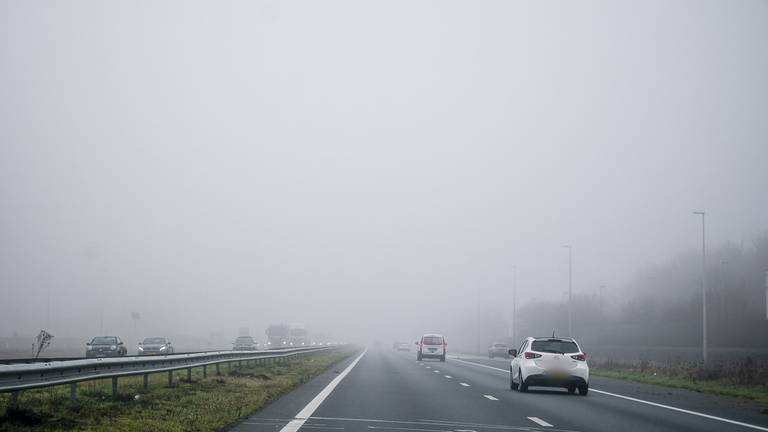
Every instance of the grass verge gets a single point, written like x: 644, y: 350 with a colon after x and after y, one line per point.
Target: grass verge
x: 689, y: 377
x: 202, y: 404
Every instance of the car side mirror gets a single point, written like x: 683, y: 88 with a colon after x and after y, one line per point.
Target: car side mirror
x: 120, y: 343
x: 140, y: 344
x: 88, y: 343
x: 415, y: 343
x: 513, y: 352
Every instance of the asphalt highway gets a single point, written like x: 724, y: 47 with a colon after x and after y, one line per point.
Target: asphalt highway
x: 383, y: 390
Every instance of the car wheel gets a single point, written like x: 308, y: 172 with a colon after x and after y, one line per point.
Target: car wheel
x: 523, y: 387
x: 490, y: 356
x: 442, y: 359
x: 584, y: 389
x: 512, y: 383
x: 571, y: 388
x: 418, y: 357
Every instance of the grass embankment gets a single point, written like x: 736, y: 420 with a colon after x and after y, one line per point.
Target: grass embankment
x: 743, y: 380
x: 204, y: 404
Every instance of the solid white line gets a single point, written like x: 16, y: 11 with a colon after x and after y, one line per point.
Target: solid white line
x: 448, y: 376
x: 747, y: 425
x: 539, y: 421
x: 305, y: 413
x: 489, y: 397
x: 464, y: 384
x: 658, y: 405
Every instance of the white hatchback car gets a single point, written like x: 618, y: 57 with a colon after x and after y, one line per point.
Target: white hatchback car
x: 431, y: 346
x: 549, y: 362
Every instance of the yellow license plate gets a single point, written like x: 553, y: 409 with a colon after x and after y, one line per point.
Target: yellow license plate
x: 559, y: 375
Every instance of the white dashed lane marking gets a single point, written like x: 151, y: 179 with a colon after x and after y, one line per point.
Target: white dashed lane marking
x: 464, y: 384
x: 489, y: 397
x: 539, y: 421
x: 448, y: 376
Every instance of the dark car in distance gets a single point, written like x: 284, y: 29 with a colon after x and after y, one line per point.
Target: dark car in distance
x: 105, y: 346
x: 155, y: 346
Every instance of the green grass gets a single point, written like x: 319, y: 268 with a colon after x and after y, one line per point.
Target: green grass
x: 689, y: 377
x: 204, y: 404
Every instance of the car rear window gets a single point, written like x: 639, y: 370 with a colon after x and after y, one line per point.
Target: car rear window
x: 499, y: 345
x: 554, y: 346
x: 104, y: 341
x: 432, y: 340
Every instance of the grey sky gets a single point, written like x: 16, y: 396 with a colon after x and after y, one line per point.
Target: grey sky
x: 239, y: 163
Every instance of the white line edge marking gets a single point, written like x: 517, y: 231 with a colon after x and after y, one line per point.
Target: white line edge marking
x: 448, y: 376
x: 464, y: 384
x: 300, y: 418
x: 539, y: 421
x: 489, y: 397
x: 696, y: 413
x: 658, y: 405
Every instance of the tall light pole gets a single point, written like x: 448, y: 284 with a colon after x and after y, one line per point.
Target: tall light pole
x: 704, y: 344
x: 514, y: 305
x: 570, y: 289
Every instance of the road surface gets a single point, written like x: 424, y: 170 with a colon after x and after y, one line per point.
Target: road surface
x: 380, y: 390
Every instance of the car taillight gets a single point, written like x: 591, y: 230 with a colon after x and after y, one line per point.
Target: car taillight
x: 579, y: 357
x: 530, y: 355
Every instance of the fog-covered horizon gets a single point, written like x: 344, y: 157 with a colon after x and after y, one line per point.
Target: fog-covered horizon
x: 364, y: 168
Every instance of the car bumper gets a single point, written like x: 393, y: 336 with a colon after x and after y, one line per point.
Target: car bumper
x: 544, y: 380
x: 102, y: 354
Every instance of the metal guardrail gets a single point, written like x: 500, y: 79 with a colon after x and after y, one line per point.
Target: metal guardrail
x: 17, y: 377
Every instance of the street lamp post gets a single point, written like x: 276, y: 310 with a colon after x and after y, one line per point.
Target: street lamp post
x: 514, y: 304
x: 704, y: 345
x: 570, y: 289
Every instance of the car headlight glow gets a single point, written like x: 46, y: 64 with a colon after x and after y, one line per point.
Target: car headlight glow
x: 141, y: 348
x: 113, y: 347
x: 89, y: 347
x: 163, y: 347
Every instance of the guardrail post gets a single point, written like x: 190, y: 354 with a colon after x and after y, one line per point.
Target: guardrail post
x: 218, y: 372
x: 170, y: 378
x: 205, y: 371
x: 114, y: 388
x: 73, y: 395
x: 13, y: 403
x: 189, y: 374
x: 146, y: 381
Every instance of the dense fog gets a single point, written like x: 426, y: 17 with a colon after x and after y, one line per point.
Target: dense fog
x: 375, y: 171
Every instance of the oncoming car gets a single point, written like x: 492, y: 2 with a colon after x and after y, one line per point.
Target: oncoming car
x: 105, y: 346
x: 244, y: 343
x: 431, y: 346
x: 155, y: 346
x: 549, y: 362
